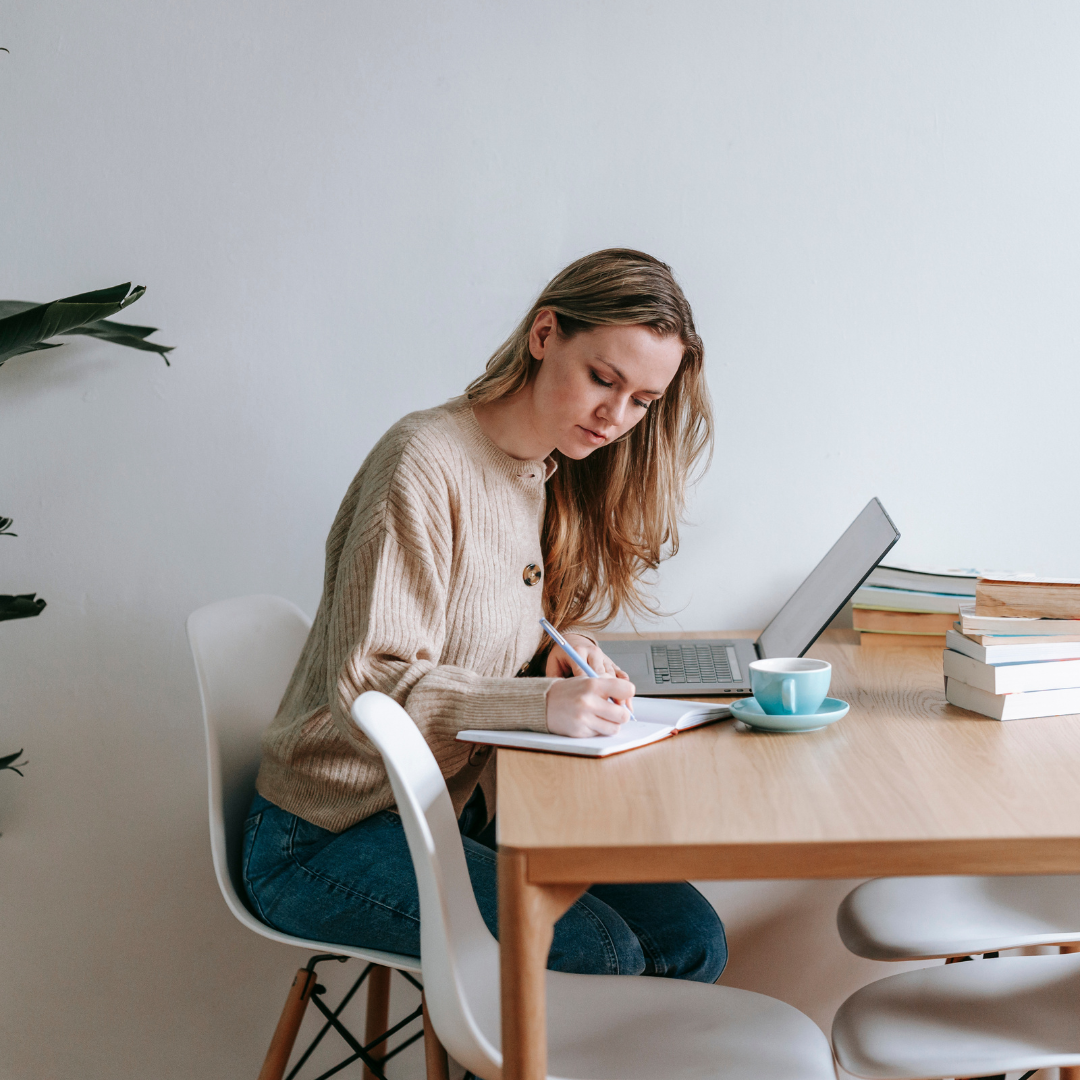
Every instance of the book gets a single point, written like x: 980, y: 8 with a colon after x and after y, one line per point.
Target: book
x: 1012, y: 678
x: 1028, y: 598
x: 893, y: 641
x: 872, y: 596
x: 1014, y: 626
x: 958, y: 582
x: 873, y: 620
x: 657, y: 718
x: 1012, y: 654
x: 1020, y: 639
x: 1012, y: 706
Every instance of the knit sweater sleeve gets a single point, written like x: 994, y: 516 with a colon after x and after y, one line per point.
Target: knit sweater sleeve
x: 389, y: 618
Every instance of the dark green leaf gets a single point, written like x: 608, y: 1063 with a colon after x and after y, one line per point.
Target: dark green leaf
x: 23, y: 606
x: 113, y: 295
x: 5, y: 526
x: 110, y: 326
x: 8, y: 762
x: 105, y: 331
x: 25, y: 327
x: 37, y: 347
x: 134, y: 337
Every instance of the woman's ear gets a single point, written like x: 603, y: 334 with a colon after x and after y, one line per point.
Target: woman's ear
x: 544, y: 325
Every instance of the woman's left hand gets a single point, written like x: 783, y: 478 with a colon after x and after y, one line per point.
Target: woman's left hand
x: 560, y: 666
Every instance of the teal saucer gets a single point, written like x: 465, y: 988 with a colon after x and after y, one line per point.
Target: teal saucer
x: 753, y: 715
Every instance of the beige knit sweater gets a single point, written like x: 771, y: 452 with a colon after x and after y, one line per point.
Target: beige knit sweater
x: 426, y: 599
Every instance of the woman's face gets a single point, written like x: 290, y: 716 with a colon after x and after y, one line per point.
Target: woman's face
x: 593, y: 387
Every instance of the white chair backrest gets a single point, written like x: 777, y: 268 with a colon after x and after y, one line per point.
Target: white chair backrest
x: 244, y: 651
x: 459, y: 957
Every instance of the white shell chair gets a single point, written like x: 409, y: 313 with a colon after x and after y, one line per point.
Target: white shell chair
x: 978, y: 1019
x: 245, y: 650
x: 917, y: 918
x: 964, y: 1019
x: 599, y: 1026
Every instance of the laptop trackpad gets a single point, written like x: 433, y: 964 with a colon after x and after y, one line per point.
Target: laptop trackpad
x: 635, y: 664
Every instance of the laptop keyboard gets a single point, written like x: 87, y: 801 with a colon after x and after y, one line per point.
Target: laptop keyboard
x: 688, y: 664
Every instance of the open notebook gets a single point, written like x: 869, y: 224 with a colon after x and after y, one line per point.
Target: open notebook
x: 657, y: 718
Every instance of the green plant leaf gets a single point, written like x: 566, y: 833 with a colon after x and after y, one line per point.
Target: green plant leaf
x: 25, y: 327
x: 5, y: 526
x: 9, y: 760
x: 32, y: 348
x: 23, y: 606
x: 107, y: 331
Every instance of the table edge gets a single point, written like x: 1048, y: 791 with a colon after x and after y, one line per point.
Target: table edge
x: 801, y: 860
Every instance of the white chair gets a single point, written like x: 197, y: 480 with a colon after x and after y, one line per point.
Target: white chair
x: 974, y: 1020
x: 918, y: 918
x: 599, y: 1026
x: 245, y: 651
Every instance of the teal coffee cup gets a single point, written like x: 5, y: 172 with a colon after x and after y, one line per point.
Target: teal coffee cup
x: 786, y: 687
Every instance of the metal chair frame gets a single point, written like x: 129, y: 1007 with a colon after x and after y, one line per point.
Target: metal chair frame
x: 360, y: 1052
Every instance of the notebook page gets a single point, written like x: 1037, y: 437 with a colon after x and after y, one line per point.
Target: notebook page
x: 678, y: 714
x: 632, y: 734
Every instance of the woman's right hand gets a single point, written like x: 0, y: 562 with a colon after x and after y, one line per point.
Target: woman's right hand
x: 579, y: 707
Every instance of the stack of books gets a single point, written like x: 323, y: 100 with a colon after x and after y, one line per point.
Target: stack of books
x: 901, y: 605
x: 1015, y: 652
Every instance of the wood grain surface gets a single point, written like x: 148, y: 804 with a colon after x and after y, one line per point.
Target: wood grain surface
x: 905, y: 783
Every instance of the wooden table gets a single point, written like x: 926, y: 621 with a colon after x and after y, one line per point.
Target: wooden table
x: 904, y: 784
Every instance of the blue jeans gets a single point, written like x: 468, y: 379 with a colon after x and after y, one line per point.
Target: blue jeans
x: 357, y: 887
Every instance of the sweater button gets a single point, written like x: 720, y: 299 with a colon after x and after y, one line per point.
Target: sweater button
x: 531, y: 574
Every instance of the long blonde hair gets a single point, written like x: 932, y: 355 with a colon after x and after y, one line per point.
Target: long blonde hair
x: 614, y: 515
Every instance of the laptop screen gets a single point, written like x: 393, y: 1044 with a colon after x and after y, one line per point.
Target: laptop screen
x: 830, y: 585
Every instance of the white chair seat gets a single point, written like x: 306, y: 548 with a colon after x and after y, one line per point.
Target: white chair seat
x: 397, y: 961
x: 974, y: 1019
x: 912, y: 918
x: 611, y: 1027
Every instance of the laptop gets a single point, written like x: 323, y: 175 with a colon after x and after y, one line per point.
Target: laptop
x: 670, y: 668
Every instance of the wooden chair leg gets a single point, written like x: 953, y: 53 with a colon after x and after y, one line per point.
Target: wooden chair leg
x: 438, y: 1068
x: 377, y: 1018
x: 281, y: 1045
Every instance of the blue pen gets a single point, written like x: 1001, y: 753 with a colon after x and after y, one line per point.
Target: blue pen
x: 573, y: 654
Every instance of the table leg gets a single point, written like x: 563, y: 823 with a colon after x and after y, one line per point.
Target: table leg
x: 527, y: 917
x: 377, y: 1014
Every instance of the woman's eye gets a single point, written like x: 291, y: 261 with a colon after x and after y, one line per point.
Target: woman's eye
x: 600, y: 382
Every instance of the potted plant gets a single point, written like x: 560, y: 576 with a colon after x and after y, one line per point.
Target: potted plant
x: 26, y: 327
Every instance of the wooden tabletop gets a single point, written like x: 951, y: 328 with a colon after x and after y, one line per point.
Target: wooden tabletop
x: 904, y: 784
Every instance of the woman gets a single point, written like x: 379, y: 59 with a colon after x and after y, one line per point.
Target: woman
x: 551, y: 488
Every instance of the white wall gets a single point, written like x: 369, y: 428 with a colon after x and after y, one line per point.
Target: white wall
x: 339, y: 210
